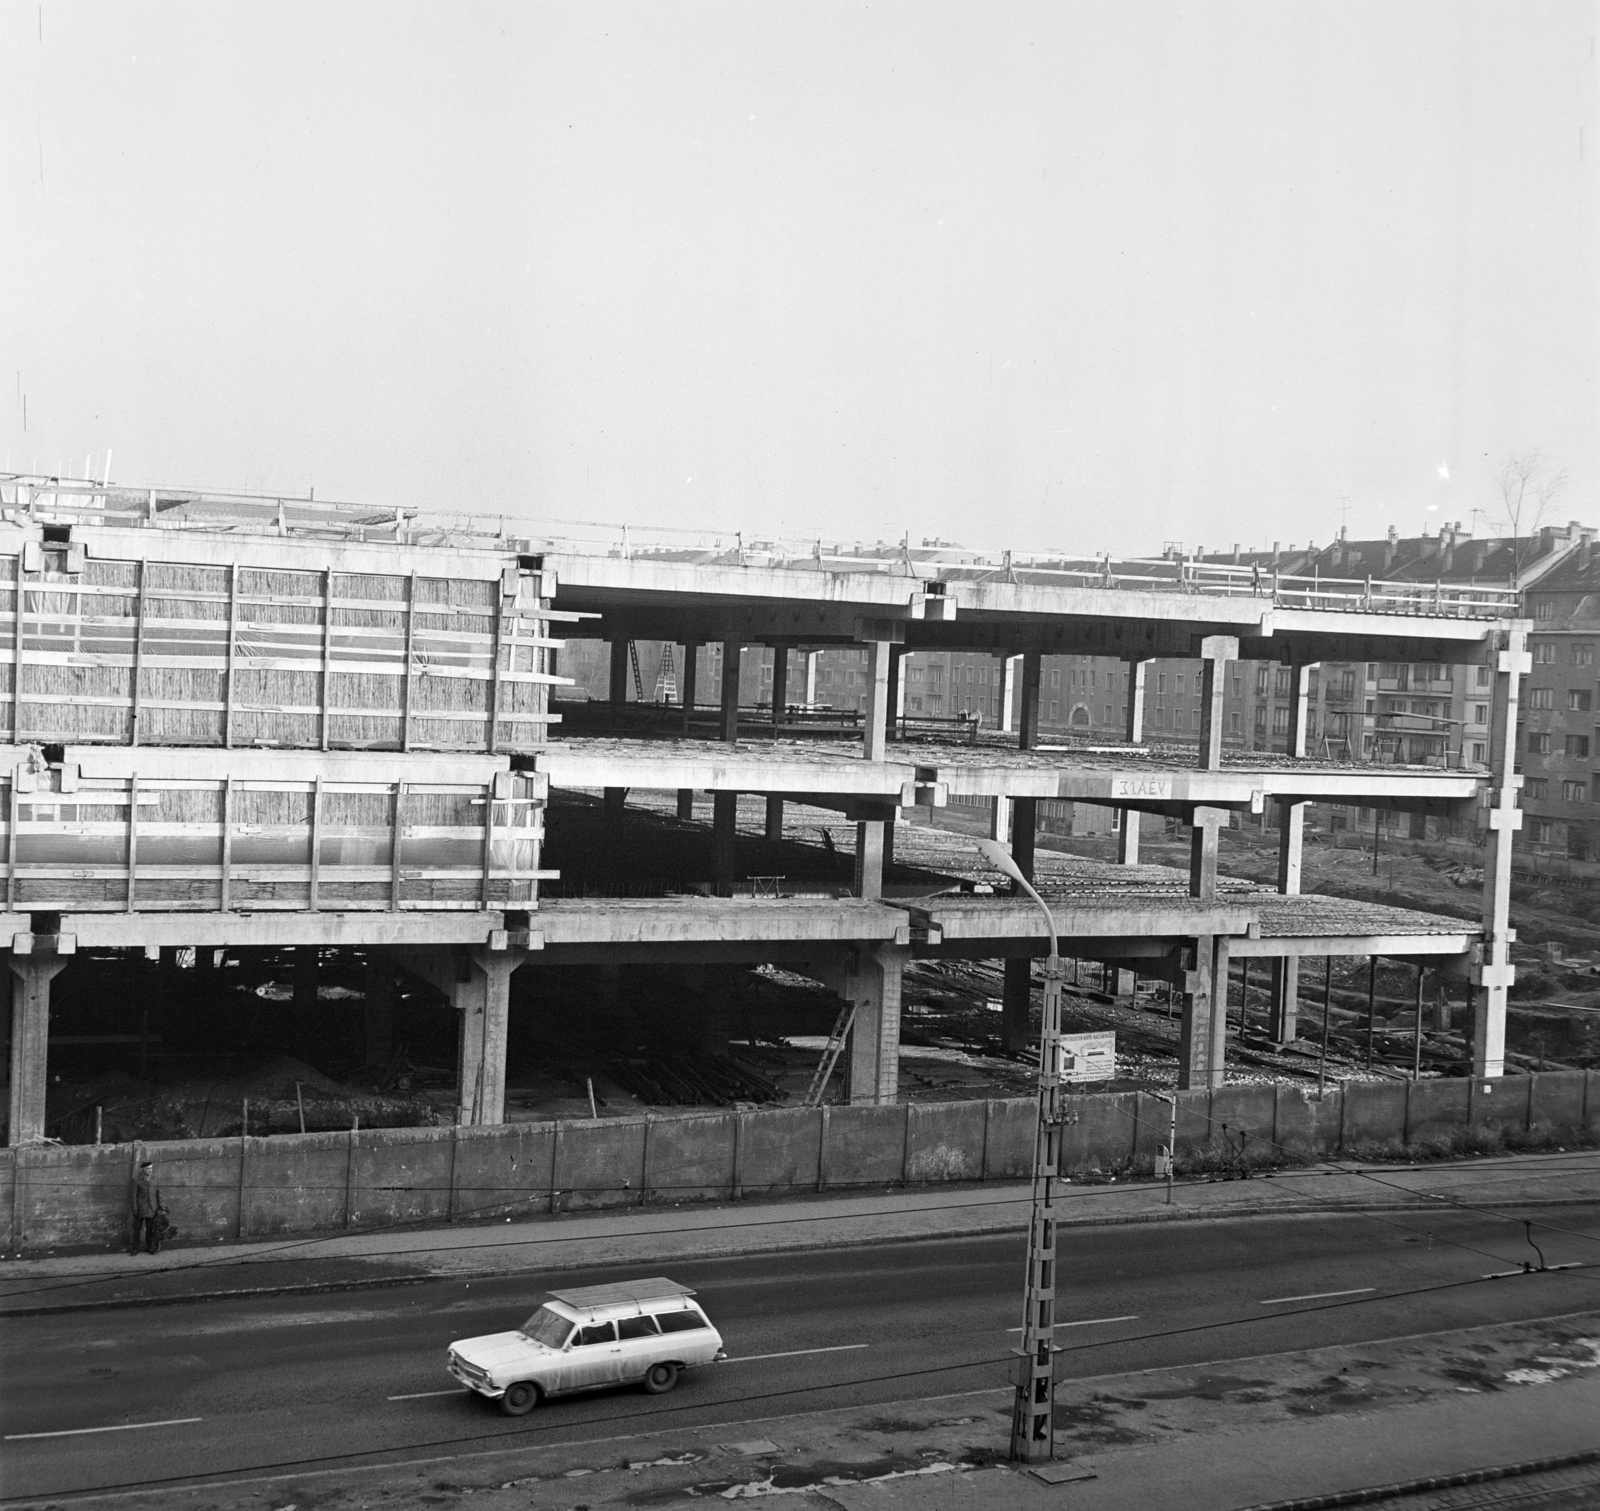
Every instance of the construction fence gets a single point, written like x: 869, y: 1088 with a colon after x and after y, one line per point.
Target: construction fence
x: 77, y: 1196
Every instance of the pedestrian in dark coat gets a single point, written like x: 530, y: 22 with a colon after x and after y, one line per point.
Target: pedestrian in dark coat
x: 146, y: 1210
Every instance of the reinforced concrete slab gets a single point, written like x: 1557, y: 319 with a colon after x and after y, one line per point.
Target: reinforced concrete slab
x: 122, y: 931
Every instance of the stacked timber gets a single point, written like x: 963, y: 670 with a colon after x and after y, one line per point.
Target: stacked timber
x: 226, y: 713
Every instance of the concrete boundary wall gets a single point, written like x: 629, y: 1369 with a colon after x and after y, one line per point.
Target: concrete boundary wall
x: 76, y: 1196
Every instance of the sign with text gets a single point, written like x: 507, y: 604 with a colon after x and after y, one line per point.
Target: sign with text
x: 1088, y: 1057
x: 1142, y: 787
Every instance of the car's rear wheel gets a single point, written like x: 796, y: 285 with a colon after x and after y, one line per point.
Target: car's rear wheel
x: 661, y: 1378
x: 520, y: 1398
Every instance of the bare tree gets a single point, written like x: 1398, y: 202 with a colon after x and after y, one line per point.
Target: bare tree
x: 1529, y: 484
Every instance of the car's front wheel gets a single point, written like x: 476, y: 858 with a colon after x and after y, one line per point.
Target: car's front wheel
x: 520, y: 1398
x: 661, y: 1378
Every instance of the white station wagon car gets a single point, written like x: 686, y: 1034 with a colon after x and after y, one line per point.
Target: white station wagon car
x: 635, y: 1332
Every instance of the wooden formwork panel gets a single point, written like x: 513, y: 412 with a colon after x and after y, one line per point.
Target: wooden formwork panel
x: 198, y: 841
x: 97, y: 649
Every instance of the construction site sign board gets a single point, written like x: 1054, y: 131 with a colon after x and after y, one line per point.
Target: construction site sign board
x: 1089, y: 1057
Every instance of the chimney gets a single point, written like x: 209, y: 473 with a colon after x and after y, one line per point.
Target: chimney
x: 1429, y: 545
x: 1449, y: 554
x: 1275, y: 554
x: 1585, y: 549
x: 1480, y: 554
x: 1236, y: 553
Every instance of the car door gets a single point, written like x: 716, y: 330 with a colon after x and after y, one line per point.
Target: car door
x: 640, y: 1345
x: 594, y: 1357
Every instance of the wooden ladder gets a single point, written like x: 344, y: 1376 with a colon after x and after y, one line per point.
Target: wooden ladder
x: 830, y: 1055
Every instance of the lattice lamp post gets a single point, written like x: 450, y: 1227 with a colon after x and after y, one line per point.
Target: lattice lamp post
x: 1032, y: 1417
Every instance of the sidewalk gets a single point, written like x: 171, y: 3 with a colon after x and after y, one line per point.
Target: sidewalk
x: 397, y: 1256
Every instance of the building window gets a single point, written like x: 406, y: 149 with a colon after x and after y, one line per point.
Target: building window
x: 1261, y: 720
x: 1575, y: 792
x: 1177, y: 685
x: 1538, y: 744
x: 1280, y: 721
x: 1479, y: 753
x: 1483, y: 676
x: 1583, y: 653
x: 1540, y: 830
x: 1347, y: 684
x: 1055, y: 676
x: 1544, y: 654
x: 1541, y: 697
x: 1284, y: 682
x: 1261, y: 681
x: 1536, y: 787
x: 1372, y: 707
x: 1578, y: 745
x: 1480, y: 713
x: 1055, y: 712
x: 1545, y: 608
x: 1161, y: 682
x: 1238, y: 686
x: 1577, y: 849
x: 1236, y: 723
x: 1579, y: 702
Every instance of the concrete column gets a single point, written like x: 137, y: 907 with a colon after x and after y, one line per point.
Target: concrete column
x: 1195, y: 1039
x: 873, y: 1068
x: 869, y: 859
x: 730, y: 690
x: 724, y: 833
x: 1496, y: 973
x: 1216, y: 651
x: 686, y: 803
x: 1000, y: 819
x: 1008, y: 693
x: 1203, y: 852
x: 1126, y: 982
x: 483, y: 1000
x: 1299, y: 707
x: 774, y: 825
x: 691, y: 677
x: 1286, y: 969
x: 1017, y: 994
x: 1028, y: 714
x: 617, y: 687
x: 780, y: 683
x: 615, y: 805
x: 1217, y: 1057
x: 1128, y: 834
x: 1284, y: 1028
x: 811, y: 677
x: 303, y: 1010
x: 377, y: 1010
x: 875, y: 733
x: 30, y: 1045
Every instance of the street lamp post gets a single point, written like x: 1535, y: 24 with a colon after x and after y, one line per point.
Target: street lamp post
x: 1032, y: 1417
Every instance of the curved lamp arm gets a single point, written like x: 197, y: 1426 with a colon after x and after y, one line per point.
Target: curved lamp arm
x: 1000, y: 858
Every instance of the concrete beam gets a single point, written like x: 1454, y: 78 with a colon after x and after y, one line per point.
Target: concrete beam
x: 610, y: 922
x: 127, y: 931
x: 1397, y: 946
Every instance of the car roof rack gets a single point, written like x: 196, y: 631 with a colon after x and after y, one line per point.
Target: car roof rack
x: 621, y: 1292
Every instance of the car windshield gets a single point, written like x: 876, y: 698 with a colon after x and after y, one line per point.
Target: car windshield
x: 545, y: 1327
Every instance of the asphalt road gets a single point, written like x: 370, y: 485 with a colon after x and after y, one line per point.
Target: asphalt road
x: 120, y: 1398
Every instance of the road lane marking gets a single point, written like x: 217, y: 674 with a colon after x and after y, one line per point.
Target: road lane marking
x: 1360, y: 1290
x: 422, y: 1395
x: 1087, y: 1322
x: 795, y: 1353
x: 76, y: 1432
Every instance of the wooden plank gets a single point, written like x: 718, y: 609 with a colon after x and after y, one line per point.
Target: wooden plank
x: 233, y: 654
x: 133, y: 835
x: 227, y: 840
x: 405, y: 690
x: 11, y: 849
x: 16, y: 659
x: 395, y: 845
x: 138, y: 659
x: 316, y: 841
x: 500, y: 650
x: 488, y: 837
x: 327, y: 648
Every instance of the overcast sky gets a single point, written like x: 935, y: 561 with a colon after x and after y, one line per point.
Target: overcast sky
x: 1098, y: 275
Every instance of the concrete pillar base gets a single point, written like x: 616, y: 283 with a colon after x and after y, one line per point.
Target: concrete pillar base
x: 1196, y: 1039
x: 30, y: 1045
x: 870, y: 977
